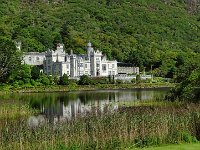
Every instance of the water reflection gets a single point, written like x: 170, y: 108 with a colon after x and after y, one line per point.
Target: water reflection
x: 61, y: 106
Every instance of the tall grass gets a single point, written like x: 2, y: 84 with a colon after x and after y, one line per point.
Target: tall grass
x: 13, y: 111
x: 137, y: 126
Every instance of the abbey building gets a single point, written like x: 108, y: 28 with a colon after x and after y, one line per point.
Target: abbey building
x: 58, y: 62
x: 93, y: 63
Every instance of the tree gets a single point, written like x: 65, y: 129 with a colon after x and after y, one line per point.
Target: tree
x: 57, y: 39
x: 64, y: 80
x: 44, y: 80
x: 138, y: 79
x: 56, y: 80
x: 186, y: 63
x: 66, y: 37
x: 188, y: 77
x: 84, y: 80
x: 188, y: 90
x: 10, y: 58
x: 35, y: 72
x: 23, y: 73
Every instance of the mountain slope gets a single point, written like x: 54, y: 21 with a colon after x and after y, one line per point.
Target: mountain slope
x: 143, y: 32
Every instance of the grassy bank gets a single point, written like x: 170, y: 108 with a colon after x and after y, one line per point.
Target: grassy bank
x: 75, y: 87
x: 173, y: 147
x: 128, y: 127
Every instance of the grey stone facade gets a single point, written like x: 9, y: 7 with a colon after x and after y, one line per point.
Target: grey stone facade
x: 126, y: 68
x: 94, y: 63
x: 33, y: 58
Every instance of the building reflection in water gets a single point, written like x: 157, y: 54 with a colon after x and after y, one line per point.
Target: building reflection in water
x: 61, y: 112
x: 59, y: 106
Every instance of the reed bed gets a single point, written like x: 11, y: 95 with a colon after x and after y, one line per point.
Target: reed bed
x: 13, y: 111
x: 127, y: 127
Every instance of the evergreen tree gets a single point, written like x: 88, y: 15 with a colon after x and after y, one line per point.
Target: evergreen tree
x: 35, y: 72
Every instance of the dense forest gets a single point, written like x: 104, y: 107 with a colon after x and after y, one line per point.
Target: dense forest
x: 160, y: 34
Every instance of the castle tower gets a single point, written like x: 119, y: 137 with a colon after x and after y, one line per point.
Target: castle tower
x: 60, y: 47
x: 89, y: 49
x: 95, y: 63
x: 73, y: 66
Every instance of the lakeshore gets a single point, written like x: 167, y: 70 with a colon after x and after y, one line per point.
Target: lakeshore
x: 75, y: 87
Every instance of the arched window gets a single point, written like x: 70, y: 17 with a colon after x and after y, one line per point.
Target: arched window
x: 37, y: 58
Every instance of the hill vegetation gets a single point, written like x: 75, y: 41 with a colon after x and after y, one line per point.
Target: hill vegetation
x: 158, y: 34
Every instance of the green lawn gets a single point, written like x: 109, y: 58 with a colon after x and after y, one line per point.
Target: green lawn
x: 173, y: 147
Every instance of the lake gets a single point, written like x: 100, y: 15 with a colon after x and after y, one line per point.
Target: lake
x: 67, y: 105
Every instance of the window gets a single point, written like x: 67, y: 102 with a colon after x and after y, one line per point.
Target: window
x: 37, y: 58
x: 97, y: 58
x: 80, y: 65
x: 97, y: 65
x: 29, y: 58
x: 113, y: 65
x: 67, y: 66
x: 81, y: 73
x: 104, y: 67
x: 85, y: 65
x: 113, y: 72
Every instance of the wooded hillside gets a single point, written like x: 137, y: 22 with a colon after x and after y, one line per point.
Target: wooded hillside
x: 162, y: 34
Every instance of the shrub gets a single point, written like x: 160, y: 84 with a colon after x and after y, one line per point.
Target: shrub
x: 64, y: 80
x: 148, y: 81
x: 73, y: 81
x: 44, y: 80
x: 138, y: 79
x: 20, y: 82
x: 33, y: 82
x: 118, y: 81
x: 84, y: 80
x: 188, y: 138
x: 55, y: 80
x: 99, y: 80
x: 111, y: 79
x: 133, y: 80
